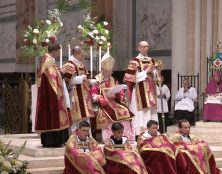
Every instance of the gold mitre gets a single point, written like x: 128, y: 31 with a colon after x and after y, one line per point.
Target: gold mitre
x: 107, y: 62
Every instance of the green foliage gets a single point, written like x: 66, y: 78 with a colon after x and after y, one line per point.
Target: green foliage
x: 85, y: 4
x: 62, y: 5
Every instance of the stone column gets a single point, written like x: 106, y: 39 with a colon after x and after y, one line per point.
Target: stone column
x: 197, y: 36
x: 122, y: 29
x: 41, y: 7
x: 215, y: 21
x: 204, y: 39
x: 25, y: 14
x: 179, y: 41
x: 220, y: 21
x: 190, y: 36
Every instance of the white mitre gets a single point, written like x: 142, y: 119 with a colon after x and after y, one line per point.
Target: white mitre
x: 107, y: 62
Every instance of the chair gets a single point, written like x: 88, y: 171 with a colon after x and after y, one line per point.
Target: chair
x: 194, y: 82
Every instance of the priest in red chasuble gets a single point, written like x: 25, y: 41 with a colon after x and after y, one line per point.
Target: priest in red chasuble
x: 120, y: 157
x: 111, y: 108
x: 52, y: 119
x: 78, y: 83
x: 159, y: 153
x: 141, y: 88
x: 82, y: 154
x: 200, y: 159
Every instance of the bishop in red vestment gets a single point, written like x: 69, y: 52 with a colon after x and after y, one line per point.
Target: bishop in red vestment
x: 110, y: 108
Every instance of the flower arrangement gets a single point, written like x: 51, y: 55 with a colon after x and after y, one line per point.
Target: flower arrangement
x: 95, y: 34
x: 9, y: 163
x: 37, y: 37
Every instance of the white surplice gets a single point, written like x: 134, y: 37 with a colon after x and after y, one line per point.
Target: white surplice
x: 166, y: 92
x: 185, y: 100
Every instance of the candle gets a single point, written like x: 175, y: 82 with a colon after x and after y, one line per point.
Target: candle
x: 69, y: 52
x: 60, y: 60
x: 91, y: 62
x: 100, y: 56
x: 108, y: 45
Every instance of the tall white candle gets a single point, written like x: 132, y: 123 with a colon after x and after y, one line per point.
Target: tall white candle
x: 91, y: 62
x: 69, y: 51
x: 108, y: 49
x: 60, y: 60
x: 100, y: 57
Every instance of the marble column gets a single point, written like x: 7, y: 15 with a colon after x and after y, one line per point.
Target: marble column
x: 41, y: 7
x: 220, y: 21
x: 25, y: 14
x: 205, y: 41
x: 179, y: 41
x: 122, y: 29
x: 190, y: 36
x: 215, y: 21
x: 197, y: 36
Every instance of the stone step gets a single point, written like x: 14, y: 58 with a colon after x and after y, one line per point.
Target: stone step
x: 217, y: 151
x: 45, y: 162
x: 199, y: 130
x: 50, y: 170
x: 219, y: 162
x: 208, y: 124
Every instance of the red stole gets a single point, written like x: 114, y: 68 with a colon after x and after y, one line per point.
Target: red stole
x: 79, y: 162
x: 157, y: 152
x: 197, y: 154
x: 145, y: 90
x: 122, y: 159
x: 51, y: 111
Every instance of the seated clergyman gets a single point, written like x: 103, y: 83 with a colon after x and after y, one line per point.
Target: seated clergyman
x: 159, y: 153
x: 82, y: 154
x: 197, y: 153
x: 120, y: 156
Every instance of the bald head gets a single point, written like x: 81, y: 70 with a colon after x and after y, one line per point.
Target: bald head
x: 143, y: 47
x: 78, y: 52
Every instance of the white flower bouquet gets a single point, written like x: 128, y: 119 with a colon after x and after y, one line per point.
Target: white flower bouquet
x: 94, y: 33
x: 9, y: 163
x: 36, y: 37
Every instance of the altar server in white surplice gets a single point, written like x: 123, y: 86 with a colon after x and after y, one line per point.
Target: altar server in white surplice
x: 185, y: 98
x: 163, y: 95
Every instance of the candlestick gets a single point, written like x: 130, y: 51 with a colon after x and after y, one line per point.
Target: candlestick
x: 60, y: 60
x: 69, y: 52
x: 100, y: 56
x: 108, y: 49
x: 91, y: 62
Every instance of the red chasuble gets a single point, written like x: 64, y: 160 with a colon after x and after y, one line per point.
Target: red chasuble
x: 145, y: 90
x: 109, y: 109
x: 81, y: 97
x: 122, y: 159
x: 83, y: 157
x: 160, y: 155
x: 198, y: 155
x: 51, y: 111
